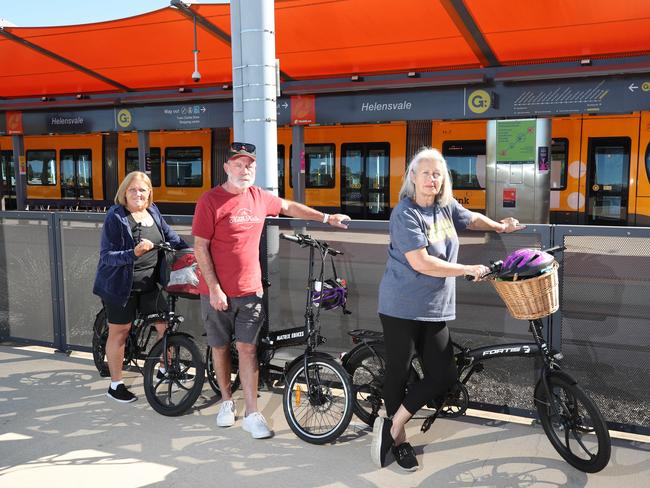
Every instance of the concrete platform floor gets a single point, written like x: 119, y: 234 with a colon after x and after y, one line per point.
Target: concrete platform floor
x: 58, y: 429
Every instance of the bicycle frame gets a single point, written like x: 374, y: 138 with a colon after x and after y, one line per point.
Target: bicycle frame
x: 309, y: 333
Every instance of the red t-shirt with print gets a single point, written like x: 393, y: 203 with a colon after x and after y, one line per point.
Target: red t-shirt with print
x: 233, y: 223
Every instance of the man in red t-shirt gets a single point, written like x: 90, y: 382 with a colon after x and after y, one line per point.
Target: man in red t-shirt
x: 227, y: 227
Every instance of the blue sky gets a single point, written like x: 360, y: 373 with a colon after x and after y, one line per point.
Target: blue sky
x: 33, y: 13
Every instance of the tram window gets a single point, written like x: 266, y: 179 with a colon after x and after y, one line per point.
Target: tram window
x: 319, y: 166
x: 281, y: 170
x: 132, y: 163
x: 41, y: 167
x: 559, y: 167
x: 7, y: 168
x: 466, y: 163
x: 184, y: 166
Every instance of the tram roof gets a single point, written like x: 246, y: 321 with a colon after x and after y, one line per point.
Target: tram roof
x: 333, y: 40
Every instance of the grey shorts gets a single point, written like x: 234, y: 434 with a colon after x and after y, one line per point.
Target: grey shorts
x: 243, y: 320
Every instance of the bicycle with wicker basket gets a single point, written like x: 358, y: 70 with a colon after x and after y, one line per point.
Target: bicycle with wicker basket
x: 527, y: 282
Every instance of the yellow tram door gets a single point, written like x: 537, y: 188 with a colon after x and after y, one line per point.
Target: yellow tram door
x: 610, y: 146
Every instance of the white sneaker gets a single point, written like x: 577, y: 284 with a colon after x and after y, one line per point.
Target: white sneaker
x: 227, y: 414
x: 255, y: 423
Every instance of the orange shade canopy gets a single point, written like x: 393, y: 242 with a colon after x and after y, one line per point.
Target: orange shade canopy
x: 318, y: 39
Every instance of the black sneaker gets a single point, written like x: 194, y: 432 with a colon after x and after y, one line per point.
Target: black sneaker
x: 381, y: 440
x: 183, y: 377
x: 121, y: 394
x: 405, y: 456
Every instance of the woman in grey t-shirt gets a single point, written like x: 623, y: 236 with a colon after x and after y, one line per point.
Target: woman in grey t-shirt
x: 417, y: 296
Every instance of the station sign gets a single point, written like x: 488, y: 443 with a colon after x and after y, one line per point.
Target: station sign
x: 117, y: 119
x: 499, y: 100
x: 186, y: 116
x: 589, y: 95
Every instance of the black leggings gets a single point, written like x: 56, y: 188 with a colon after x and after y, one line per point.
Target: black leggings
x: 431, y: 341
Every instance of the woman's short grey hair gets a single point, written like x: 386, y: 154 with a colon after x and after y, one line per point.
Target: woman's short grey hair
x: 445, y: 195
x: 120, y: 196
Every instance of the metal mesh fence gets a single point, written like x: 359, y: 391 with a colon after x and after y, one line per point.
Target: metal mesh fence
x: 605, y: 322
x: 26, y: 292
x: 602, y: 326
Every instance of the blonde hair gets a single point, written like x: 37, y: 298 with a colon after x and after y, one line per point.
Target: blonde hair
x: 120, y: 196
x: 444, y: 197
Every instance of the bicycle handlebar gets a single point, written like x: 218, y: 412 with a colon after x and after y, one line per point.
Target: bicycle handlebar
x: 305, y: 240
x: 495, y: 267
x: 165, y: 246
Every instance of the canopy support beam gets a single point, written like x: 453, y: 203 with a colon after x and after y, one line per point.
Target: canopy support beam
x: 61, y: 59
x: 470, y: 32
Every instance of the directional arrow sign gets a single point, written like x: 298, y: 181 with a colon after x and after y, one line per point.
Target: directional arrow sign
x: 632, y: 87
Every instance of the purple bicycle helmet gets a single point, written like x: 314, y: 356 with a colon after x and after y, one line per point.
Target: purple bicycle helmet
x: 525, y: 263
x: 333, y: 294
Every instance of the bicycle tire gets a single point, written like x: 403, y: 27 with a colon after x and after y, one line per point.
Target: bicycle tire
x: 100, y: 336
x: 366, y: 369
x: 578, y: 415
x: 212, y: 379
x: 175, y: 394
x: 308, y: 414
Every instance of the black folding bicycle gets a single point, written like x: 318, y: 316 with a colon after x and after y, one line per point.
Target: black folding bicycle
x: 571, y: 420
x: 317, y: 397
x: 171, y: 393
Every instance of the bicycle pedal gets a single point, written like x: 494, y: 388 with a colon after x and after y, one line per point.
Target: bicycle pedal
x: 426, y: 425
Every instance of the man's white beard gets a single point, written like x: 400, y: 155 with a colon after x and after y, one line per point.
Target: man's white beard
x: 240, y: 184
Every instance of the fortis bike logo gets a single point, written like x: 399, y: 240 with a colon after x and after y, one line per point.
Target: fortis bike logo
x: 508, y: 350
x: 479, y: 101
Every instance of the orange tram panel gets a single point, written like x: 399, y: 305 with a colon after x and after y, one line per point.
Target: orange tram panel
x: 599, y: 172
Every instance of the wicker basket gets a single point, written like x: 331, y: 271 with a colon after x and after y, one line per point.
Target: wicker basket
x: 533, y: 298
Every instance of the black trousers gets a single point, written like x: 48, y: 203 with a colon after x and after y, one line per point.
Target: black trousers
x: 432, y: 343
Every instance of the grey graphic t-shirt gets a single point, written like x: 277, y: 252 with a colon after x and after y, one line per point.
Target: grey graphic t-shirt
x: 405, y: 293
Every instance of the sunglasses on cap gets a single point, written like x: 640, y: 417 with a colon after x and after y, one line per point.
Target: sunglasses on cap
x: 242, y: 148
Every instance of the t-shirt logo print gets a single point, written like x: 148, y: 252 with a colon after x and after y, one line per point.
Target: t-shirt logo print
x: 244, y: 218
x: 441, y: 230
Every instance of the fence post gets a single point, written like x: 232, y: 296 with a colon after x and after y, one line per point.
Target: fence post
x: 56, y: 273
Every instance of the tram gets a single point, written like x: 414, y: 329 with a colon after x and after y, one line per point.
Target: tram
x: 599, y: 173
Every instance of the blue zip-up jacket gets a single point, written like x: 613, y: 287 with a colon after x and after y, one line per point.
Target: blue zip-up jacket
x: 114, y: 277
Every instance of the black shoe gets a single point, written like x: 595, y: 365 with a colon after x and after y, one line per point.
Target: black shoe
x: 405, y: 456
x: 183, y: 377
x: 121, y: 394
x: 381, y: 440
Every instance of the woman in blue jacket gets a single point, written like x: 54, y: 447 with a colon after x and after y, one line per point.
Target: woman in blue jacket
x: 129, y: 270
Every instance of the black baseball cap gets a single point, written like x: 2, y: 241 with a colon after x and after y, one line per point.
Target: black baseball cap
x: 238, y: 149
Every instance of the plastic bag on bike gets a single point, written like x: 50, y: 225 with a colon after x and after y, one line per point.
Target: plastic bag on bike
x: 184, y: 275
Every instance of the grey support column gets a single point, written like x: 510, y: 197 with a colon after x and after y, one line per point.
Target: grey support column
x: 298, y: 163
x: 143, y: 151
x: 254, y: 84
x: 21, y: 179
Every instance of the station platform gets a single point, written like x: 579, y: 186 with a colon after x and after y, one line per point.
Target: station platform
x: 58, y: 429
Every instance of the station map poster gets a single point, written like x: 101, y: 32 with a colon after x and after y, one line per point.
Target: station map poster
x: 515, y: 141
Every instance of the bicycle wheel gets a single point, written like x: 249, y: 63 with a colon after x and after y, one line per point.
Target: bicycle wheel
x: 575, y: 426
x: 174, y: 392
x: 366, y: 369
x: 100, y: 336
x: 321, y: 413
x: 212, y: 378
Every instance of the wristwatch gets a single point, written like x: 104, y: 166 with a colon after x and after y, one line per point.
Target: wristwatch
x: 326, y: 217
